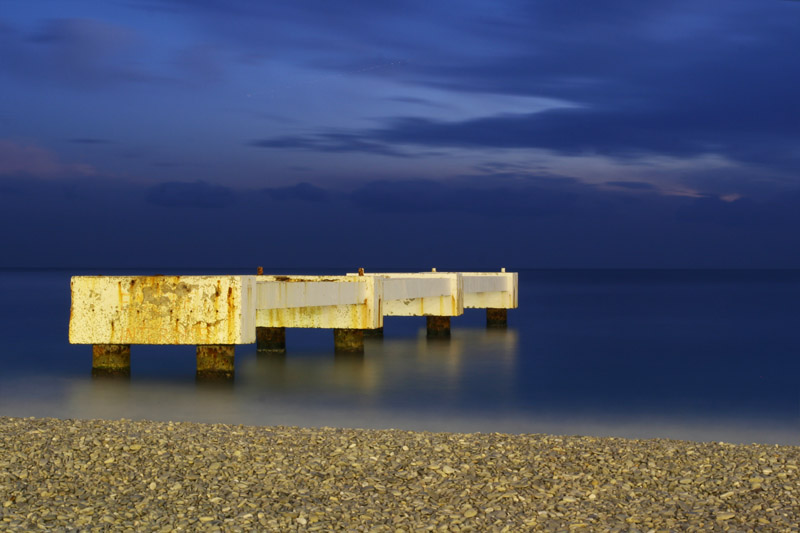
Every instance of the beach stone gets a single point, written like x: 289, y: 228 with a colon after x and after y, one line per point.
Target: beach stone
x: 125, y: 475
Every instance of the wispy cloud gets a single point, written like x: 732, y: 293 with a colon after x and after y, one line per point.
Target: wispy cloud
x: 198, y: 194
x: 305, y: 192
x: 632, y: 185
x: 33, y: 160
x: 644, y: 79
x: 429, y: 196
x: 332, y: 142
x: 81, y: 52
x: 89, y: 140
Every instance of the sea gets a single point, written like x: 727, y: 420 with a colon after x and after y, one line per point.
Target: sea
x: 702, y: 355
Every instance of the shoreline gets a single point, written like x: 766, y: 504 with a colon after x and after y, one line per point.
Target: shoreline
x: 165, y: 476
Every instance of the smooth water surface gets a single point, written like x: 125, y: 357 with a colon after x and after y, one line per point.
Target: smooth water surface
x: 703, y: 355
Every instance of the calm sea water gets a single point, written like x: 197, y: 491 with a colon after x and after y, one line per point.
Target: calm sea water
x: 702, y: 355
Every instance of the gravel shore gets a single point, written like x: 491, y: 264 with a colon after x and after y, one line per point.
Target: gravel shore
x: 96, y: 475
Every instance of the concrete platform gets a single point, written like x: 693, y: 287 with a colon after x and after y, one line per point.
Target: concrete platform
x: 199, y: 310
x: 491, y: 290
x: 421, y: 294
x: 319, y: 302
x: 215, y: 313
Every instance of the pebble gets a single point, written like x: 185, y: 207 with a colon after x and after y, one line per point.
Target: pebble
x: 87, y: 475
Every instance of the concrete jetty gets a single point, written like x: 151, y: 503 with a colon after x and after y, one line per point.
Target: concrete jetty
x: 441, y: 295
x: 347, y: 304
x: 434, y: 295
x: 497, y: 292
x: 215, y: 313
x: 212, y: 312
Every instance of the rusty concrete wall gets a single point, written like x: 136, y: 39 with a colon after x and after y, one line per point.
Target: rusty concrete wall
x: 340, y: 302
x: 431, y: 306
x: 162, y: 310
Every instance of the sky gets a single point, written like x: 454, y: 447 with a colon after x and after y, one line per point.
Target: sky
x: 416, y: 134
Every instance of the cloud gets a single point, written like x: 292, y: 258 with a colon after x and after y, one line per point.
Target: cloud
x: 33, y: 160
x: 197, y: 194
x: 85, y: 53
x: 632, y: 185
x: 305, y: 192
x: 644, y: 78
x: 87, y: 140
x: 571, y: 132
x: 201, y: 63
x: 543, y: 223
x: 752, y: 138
x: 416, y: 101
x: 287, y: 28
x: 331, y: 142
x: 566, y: 131
x: 743, y: 213
x: 428, y: 196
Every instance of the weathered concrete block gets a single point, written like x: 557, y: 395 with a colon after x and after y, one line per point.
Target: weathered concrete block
x: 319, y: 302
x: 496, y: 290
x: 162, y: 310
x: 421, y: 294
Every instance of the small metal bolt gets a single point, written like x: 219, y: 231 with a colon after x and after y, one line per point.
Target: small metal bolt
x: 503, y: 269
x: 433, y: 269
x: 260, y: 271
x: 360, y: 271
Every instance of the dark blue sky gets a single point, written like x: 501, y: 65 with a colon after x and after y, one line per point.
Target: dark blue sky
x: 457, y: 134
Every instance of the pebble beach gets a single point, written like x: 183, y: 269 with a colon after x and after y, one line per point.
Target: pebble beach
x: 122, y: 475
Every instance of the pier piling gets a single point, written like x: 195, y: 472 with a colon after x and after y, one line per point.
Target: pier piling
x: 215, y: 361
x: 438, y: 327
x: 272, y: 340
x: 348, y: 340
x: 111, y: 360
x: 496, y: 318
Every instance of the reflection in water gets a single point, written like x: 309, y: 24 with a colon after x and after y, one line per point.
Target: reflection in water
x: 389, y: 365
x: 393, y: 373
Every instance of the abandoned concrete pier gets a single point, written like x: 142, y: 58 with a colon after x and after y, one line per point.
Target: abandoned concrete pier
x: 215, y: 313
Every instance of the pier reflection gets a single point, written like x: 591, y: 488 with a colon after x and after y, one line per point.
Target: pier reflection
x: 390, y: 363
x: 393, y: 372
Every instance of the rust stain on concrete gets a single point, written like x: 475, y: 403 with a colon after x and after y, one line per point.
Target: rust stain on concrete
x: 161, y: 310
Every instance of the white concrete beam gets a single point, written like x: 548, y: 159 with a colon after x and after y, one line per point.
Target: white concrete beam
x: 421, y: 294
x: 162, y: 310
x: 339, y: 302
x: 497, y: 290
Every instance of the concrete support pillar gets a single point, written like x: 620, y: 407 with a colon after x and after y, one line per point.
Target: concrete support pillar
x: 496, y: 318
x: 272, y: 340
x: 348, y: 340
x: 376, y: 333
x: 438, y: 327
x: 215, y: 361
x: 111, y: 360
